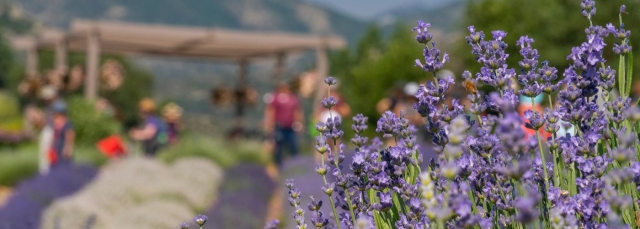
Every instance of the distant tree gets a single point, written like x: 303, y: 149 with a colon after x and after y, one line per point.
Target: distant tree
x: 377, y: 66
x: 6, y: 62
x: 555, y: 25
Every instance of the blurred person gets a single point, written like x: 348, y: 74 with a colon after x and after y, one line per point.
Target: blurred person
x: 392, y: 103
x: 50, y: 96
x: 402, y: 103
x: 411, y: 114
x: 172, y: 113
x: 153, y: 133
x: 635, y: 93
x: 283, y: 118
x: 410, y: 90
x: 61, y: 150
x: 340, y: 110
x: 526, y: 104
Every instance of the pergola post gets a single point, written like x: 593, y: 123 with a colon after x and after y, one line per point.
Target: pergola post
x: 92, y: 62
x: 278, y: 70
x: 240, y: 85
x: 32, y: 60
x: 61, y: 55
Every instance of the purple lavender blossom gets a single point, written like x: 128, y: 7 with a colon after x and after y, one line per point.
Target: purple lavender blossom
x: 330, y: 81
x: 200, y: 219
x: 535, y: 120
x: 388, y: 125
x: 433, y: 62
x: 273, y: 224
x: 329, y: 102
x: 588, y: 8
x: 491, y: 174
x: 423, y: 36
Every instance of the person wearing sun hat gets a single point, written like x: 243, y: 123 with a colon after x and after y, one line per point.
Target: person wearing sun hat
x: 152, y: 134
x: 525, y: 104
x: 172, y: 113
x: 61, y: 150
x: 49, y: 94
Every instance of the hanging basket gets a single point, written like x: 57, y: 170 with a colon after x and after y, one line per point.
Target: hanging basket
x: 222, y: 96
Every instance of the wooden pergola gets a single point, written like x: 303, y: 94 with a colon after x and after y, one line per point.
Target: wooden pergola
x: 96, y: 37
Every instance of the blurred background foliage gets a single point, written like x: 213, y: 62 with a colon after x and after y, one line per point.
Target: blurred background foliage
x: 376, y: 67
x: 90, y: 124
x: 380, y: 63
x: 10, y: 115
x: 555, y: 25
x: 19, y: 163
x: 223, y: 153
x: 138, y: 83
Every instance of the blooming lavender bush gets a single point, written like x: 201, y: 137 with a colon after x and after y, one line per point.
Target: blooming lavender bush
x: 488, y: 173
x: 31, y: 198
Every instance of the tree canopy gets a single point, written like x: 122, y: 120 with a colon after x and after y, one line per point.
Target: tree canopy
x: 555, y: 25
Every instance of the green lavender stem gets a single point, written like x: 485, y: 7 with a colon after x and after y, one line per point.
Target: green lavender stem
x: 333, y: 206
x: 544, y: 164
x: 346, y: 191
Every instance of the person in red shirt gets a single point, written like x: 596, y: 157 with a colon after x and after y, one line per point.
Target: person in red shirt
x: 525, y: 104
x: 283, y: 118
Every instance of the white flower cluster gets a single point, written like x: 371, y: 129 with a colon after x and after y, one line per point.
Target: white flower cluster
x: 139, y: 193
x: 427, y: 189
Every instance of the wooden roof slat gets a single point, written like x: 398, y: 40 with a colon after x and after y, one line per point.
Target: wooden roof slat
x: 130, y: 38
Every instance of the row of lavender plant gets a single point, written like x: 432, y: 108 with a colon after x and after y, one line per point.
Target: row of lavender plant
x: 489, y: 174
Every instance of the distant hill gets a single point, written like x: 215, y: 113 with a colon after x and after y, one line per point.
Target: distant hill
x: 13, y: 19
x: 444, y: 18
x: 280, y: 15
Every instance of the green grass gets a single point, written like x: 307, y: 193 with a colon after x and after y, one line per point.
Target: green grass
x: 21, y: 162
x: 17, y: 164
x: 223, y: 153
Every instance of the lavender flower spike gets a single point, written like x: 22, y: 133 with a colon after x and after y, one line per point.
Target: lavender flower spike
x: 200, y: 219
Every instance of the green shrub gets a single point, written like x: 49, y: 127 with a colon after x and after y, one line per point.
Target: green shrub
x: 86, y: 154
x: 224, y: 154
x: 90, y: 125
x: 20, y: 163
x: 10, y: 117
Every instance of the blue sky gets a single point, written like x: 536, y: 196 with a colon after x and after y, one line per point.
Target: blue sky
x: 367, y: 9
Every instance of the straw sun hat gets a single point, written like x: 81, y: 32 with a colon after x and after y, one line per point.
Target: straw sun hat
x: 147, y: 105
x: 172, y: 110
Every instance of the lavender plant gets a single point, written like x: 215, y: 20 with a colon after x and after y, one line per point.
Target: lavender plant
x: 489, y: 174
